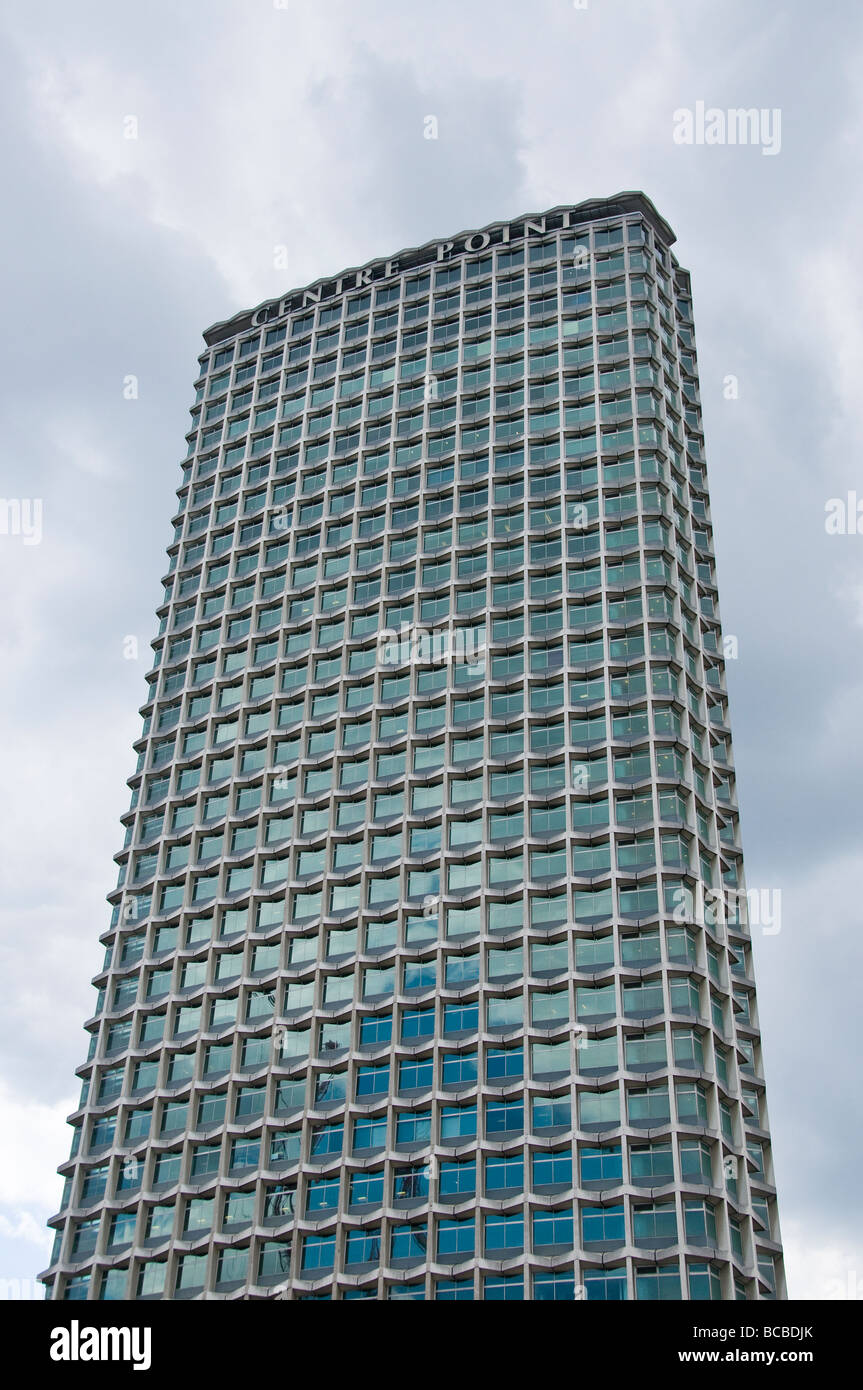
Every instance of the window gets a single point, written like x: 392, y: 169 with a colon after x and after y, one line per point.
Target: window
x: 550, y: 1167
x: 504, y: 1232
x: 659, y: 1282
x: 319, y: 1252
x: 504, y: 1172
x: 363, y: 1246
x: 552, y: 1227
x: 366, y: 1189
x: 413, y: 1127
x: 455, y: 1239
x: 408, y: 1243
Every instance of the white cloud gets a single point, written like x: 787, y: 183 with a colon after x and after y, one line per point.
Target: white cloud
x: 41, y: 1141
x: 818, y: 1270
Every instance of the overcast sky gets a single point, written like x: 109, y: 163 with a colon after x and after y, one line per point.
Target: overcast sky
x: 301, y: 126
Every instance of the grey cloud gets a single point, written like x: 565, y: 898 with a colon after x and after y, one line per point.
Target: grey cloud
x: 113, y: 272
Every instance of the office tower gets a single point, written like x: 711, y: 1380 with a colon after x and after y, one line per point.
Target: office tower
x: 428, y: 973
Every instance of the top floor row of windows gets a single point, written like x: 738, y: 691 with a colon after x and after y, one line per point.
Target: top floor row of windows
x: 589, y: 249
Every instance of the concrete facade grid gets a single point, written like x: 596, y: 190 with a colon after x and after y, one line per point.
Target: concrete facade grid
x: 518, y: 858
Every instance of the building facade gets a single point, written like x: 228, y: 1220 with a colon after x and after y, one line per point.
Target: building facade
x: 428, y: 973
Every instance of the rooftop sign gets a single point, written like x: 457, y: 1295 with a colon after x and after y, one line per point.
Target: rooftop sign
x: 438, y: 252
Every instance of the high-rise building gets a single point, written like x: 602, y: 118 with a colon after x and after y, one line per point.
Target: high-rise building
x: 428, y: 974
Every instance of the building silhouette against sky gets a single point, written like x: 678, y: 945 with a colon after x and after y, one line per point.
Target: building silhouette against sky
x: 428, y: 972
